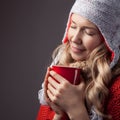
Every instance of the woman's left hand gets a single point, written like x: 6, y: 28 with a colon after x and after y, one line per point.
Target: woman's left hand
x: 63, y: 93
x: 58, y: 112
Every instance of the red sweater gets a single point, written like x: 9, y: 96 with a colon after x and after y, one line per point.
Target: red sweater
x: 113, y: 102
x: 112, y: 106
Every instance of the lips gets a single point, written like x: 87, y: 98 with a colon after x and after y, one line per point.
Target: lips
x: 77, y: 49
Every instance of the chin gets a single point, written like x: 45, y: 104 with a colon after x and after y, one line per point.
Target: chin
x: 77, y: 58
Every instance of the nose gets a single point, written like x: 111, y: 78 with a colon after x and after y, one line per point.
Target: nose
x: 77, y: 37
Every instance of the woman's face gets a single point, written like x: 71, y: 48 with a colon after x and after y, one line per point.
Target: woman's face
x: 83, y: 37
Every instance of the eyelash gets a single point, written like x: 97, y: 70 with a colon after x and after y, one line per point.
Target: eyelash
x: 74, y: 27
x: 90, y: 34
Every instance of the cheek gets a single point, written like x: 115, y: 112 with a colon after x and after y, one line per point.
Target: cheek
x: 92, y: 43
x: 70, y: 34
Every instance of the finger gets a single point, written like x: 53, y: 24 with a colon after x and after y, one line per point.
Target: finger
x: 52, y: 89
x: 53, y: 82
x: 47, y: 73
x: 46, y: 77
x: 54, y: 99
x: 56, y: 108
x: 48, y: 100
x: 82, y: 83
x: 57, y: 77
x: 46, y: 81
x: 50, y: 95
x: 82, y: 80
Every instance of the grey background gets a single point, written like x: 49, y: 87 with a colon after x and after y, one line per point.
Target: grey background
x: 29, y: 31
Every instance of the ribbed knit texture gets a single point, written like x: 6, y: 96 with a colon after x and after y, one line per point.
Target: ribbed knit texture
x: 113, y: 102
x: 105, y: 14
x: 46, y: 113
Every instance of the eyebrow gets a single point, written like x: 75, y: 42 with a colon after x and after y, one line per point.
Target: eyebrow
x: 86, y: 26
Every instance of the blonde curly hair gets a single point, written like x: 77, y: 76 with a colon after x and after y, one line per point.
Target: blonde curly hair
x: 96, y: 72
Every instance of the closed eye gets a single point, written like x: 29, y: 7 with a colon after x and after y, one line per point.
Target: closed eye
x: 90, y: 32
x: 73, y: 25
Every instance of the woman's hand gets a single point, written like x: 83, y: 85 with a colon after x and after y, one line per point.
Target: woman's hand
x: 63, y: 93
x: 55, y: 107
x: 70, y: 98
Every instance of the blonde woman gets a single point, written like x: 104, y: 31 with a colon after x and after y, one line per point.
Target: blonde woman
x: 91, y: 42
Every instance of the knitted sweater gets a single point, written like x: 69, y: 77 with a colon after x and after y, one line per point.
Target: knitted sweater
x: 113, y: 102
x: 112, y: 107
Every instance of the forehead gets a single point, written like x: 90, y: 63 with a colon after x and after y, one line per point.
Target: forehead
x: 78, y: 19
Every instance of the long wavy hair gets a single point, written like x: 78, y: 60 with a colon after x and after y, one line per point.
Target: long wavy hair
x: 96, y: 68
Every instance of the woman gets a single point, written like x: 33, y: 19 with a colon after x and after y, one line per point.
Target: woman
x: 91, y: 42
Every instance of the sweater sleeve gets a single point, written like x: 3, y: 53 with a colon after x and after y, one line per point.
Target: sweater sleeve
x: 46, y: 113
x: 113, y: 106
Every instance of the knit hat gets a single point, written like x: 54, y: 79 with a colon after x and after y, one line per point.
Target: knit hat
x: 105, y: 14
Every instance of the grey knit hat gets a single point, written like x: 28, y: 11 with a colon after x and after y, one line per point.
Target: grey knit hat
x: 105, y: 14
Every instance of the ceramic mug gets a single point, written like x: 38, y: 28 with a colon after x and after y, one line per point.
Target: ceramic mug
x: 69, y: 73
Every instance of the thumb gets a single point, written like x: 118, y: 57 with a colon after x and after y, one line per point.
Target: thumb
x: 82, y: 83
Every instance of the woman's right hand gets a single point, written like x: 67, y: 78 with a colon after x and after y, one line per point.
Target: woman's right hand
x: 69, y: 97
x: 58, y: 112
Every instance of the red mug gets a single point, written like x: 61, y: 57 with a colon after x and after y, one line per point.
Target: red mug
x: 69, y: 73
